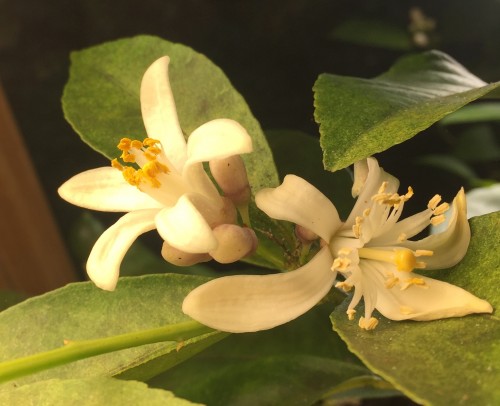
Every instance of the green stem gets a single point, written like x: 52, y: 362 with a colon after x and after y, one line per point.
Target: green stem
x: 76, y: 350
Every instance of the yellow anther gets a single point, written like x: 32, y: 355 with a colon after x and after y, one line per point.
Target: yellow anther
x: 424, y: 253
x: 442, y: 208
x: 136, y: 144
x: 346, y: 287
x: 401, y: 237
x: 420, y: 265
x: 350, y: 314
x: 124, y: 144
x: 116, y: 164
x: 413, y: 281
x: 130, y: 175
x: 344, y: 251
x: 366, y: 212
x: 405, y: 310
x: 437, y: 220
x: 340, y: 263
x: 409, y: 194
x: 434, y: 202
x: 369, y: 324
x: 382, y: 187
x: 391, y: 282
x: 149, y: 142
x: 356, y: 228
x: 127, y: 157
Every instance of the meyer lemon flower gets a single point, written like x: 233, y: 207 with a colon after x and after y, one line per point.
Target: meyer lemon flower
x: 371, y: 250
x: 161, y: 184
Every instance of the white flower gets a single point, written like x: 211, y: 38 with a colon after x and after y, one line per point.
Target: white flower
x: 171, y: 191
x: 371, y: 250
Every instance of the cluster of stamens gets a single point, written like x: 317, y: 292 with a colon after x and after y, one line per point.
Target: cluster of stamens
x: 438, y: 210
x: 149, y: 148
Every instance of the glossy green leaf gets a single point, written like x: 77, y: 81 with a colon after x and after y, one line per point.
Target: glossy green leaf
x: 101, y: 102
x: 298, y: 363
x: 360, y: 117
x: 442, y: 362
x: 82, y: 311
x: 89, y: 392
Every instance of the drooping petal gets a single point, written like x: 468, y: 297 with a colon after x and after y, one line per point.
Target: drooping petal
x: 105, y: 189
x: 435, y: 300
x: 246, y: 303
x: 217, y: 139
x: 449, y: 246
x: 159, y: 112
x: 376, y: 176
x: 298, y: 201
x: 184, y: 227
x: 103, y: 265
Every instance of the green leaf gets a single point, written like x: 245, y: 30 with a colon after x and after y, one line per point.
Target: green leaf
x: 360, y: 117
x: 81, y: 311
x: 294, y: 364
x: 101, y: 102
x: 474, y: 113
x: 9, y: 298
x: 91, y: 392
x: 477, y: 144
x: 443, y: 362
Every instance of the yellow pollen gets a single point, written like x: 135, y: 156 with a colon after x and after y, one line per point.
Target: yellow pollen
x: 124, y: 144
x: 366, y: 212
x: 150, y: 142
x: 382, y: 187
x: 127, y: 157
x: 116, y: 164
x: 130, y: 175
x: 437, y: 220
x: 344, y: 251
x: 434, y: 202
x: 340, y: 263
x: 350, y: 314
x: 356, y: 228
x: 441, y: 209
x: 391, y: 282
x: 369, y: 324
x: 413, y: 281
x: 401, y: 237
x: 136, y: 144
x: 409, y: 194
x: 344, y: 286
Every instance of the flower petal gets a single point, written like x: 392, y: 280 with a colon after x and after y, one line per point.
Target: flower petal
x: 246, y: 303
x: 449, y: 246
x: 184, y: 227
x: 199, y: 181
x: 103, y: 265
x: 217, y: 139
x: 435, y: 300
x: 298, y: 201
x: 366, y: 189
x: 159, y: 112
x: 105, y: 189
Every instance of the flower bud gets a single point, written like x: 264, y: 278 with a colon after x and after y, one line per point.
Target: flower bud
x: 180, y: 258
x: 213, y: 214
x: 235, y: 242
x: 231, y: 176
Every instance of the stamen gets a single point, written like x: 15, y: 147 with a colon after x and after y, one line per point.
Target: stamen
x: 369, y: 324
x: 346, y: 287
x: 124, y: 144
x: 424, y: 253
x: 117, y: 165
x: 366, y: 212
x: 442, y: 208
x: 434, y: 202
x: 402, y: 237
x: 391, y: 282
x: 437, y: 220
x: 413, y: 281
x: 340, y: 263
x: 344, y: 251
x: 350, y: 314
x: 356, y: 228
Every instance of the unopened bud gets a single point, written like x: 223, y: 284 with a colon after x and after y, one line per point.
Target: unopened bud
x: 234, y: 243
x: 231, y: 176
x: 305, y: 235
x: 214, y: 214
x: 180, y: 258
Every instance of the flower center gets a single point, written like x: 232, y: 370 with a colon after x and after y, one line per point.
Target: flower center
x: 404, y: 258
x: 145, y: 154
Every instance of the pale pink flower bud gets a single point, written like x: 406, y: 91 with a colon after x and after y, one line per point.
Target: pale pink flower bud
x: 305, y: 235
x: 235, y: 242
x: 180, y: 258
x: 231, y: 176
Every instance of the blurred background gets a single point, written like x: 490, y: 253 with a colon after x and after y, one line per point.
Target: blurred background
x: 273, y: 52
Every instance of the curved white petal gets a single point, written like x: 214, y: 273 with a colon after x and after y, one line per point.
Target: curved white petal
x: 103, y: 265
x: 159, y: 112
x: 199, y: 182
x: 184, y: 228
x: 376, y: 176
x: 298, y: 201
x: 217, y: 139
x: 360, y: 175
x: 246, y: 303
x: 437, y: 300
x: 105, y: 189
x: 449, y: 246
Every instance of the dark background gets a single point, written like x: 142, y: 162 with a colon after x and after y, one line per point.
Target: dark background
x: 272, y: 51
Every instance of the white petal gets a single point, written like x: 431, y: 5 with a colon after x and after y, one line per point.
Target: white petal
x: 196, y: 177
x: 360, y: 175
x: 246, y: 303
x: 103, y: 265
x: 437, y: 300
x: 450, y: 246
x: 159, y: 112
x: 105, y: 189
x: 184, y: 228
x: 298, y: 201
x: 376, y: 176
x: 217, y: 139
